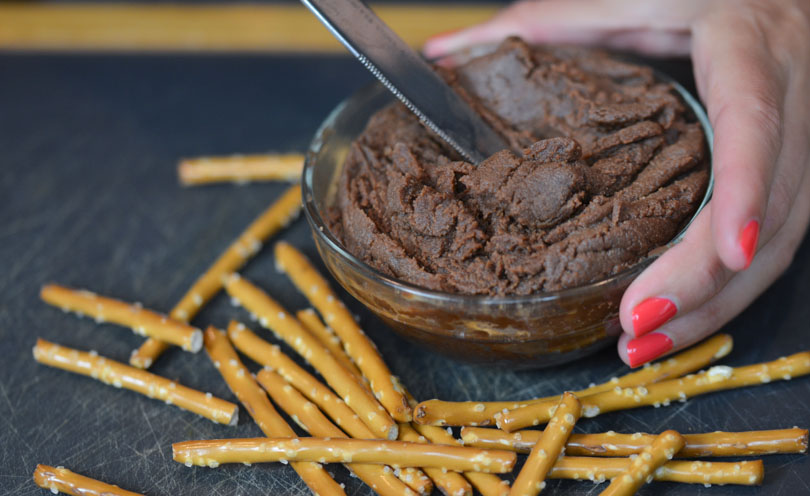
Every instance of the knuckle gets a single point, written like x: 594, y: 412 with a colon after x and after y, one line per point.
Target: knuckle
x: 779, y: 204
x: 714, y: 278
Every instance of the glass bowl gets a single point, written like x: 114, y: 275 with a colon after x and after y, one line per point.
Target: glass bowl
x: 518, y: 332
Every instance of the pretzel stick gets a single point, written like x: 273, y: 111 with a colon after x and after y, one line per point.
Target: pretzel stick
x: 747, y: 473
x: 326, y: 336
x: 337, y: 450
x: 141, y: 321
x: 357, y: 345
x: 475, y: 413
x: 614, y: 444
x: 486, y: 484
x: 642, y: 467
x: 123, y: 376
x: 531, y: 479
x: 245, y: 388
x: 271, y: 357
x: 60, y: 479
x: 717, y: 378
x: 272, y: 220
x: 240, y: 168
x: 307, y: 415
x: 451, y: 483
x: 274, y: 317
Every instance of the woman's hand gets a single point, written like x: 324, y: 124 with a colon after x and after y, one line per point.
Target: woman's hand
x: 752, y: 68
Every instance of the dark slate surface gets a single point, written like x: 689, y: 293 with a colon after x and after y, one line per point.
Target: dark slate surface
x: 88, y: 146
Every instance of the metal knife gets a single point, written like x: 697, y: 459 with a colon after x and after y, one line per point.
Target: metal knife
x: 408, y: 77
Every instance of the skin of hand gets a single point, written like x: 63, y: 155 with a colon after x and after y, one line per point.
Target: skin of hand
x: 752, y: 68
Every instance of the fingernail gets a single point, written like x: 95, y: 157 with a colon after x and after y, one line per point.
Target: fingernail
x: 445, y: 33
x: 651, y: 313
x: 748, y: 241
x: 644, y: 349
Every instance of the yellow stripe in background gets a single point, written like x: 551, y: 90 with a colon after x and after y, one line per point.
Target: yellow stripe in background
x: 206, y: 28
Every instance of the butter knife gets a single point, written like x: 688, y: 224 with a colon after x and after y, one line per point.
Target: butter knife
x: 408, y: 76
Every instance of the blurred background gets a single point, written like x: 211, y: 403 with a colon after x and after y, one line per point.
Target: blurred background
x: 209, y: 26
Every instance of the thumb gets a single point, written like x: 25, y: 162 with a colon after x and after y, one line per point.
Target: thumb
x: 655, y: 28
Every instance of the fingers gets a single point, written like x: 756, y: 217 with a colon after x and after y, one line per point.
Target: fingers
x: 740, y: 290
x: 744, y: 94
x: 658, y: 28
x: 683, y: 278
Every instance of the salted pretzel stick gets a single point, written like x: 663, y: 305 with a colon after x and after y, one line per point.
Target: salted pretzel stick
x: 140, y: 320
x: 60, y: 479
x: 643, y: 467
x: 357, y: 345
x: 123, y: 376
x: 337, y: 450
x: 306, y: 414
x: 747, y: 473
x: 451, y: 483
x: 717, y: 378
x: 245, y: 388
x: 272, y: 357
x: 614, y: 444
x: 240, y: 168
x: 327, y: 337
x: 352, y: 390
x: 486, y: 484
x: 531, y: 479
x: 272, y: 220
x: 481, y: 413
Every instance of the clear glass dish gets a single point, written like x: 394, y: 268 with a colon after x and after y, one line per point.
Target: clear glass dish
x: 518, y: 332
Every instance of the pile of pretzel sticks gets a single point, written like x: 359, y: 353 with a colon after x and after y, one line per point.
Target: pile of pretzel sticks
x: 362, y: 416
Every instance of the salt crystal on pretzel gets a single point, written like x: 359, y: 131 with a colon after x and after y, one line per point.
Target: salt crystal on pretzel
x: 357, y: 345
x: 272, y: 220
x: 616, y: 444
x: 380, y: 478
x: 244, y: 387
x: 240, y: 168
x: 123, y: 376
x: 643, y: 467
x: 531, y: 479
x: 336, y: 450
x: 60, y: 479
x: 327, y: 337
x: 140, y: 320
x: 352, y: 390
x: 744, y: 473
x: 483, y: 413
x: 717, y: 378
x: 486, y: 484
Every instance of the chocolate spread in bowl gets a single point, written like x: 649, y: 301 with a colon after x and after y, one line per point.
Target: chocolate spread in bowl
x: 606, y: 165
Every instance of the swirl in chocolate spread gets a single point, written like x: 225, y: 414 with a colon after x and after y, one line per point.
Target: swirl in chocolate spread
x: 611, y: 166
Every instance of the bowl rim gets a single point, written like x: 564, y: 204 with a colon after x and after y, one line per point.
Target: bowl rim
x: 321, y: 229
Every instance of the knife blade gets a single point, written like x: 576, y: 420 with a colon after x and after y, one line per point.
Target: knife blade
x: 408, y: 76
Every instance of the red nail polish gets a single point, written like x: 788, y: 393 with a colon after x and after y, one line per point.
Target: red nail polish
x: 651, y: 313
x: 748, y: 241
x: 445, y: 33
x: 644, y: 349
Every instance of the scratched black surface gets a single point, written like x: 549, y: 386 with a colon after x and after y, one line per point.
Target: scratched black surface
x: 88, y: 146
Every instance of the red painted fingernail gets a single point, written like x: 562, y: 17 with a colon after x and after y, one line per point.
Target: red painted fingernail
x: 748, y: 241
x: 444, y: 33
x: 651, y: 313
x: 644, y: 349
